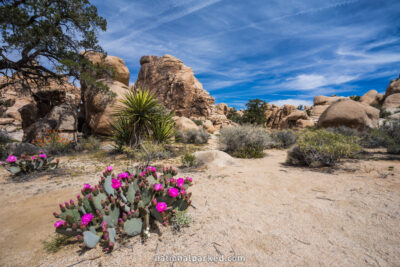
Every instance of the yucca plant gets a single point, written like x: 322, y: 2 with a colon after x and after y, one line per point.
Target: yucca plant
x: 141, y: 116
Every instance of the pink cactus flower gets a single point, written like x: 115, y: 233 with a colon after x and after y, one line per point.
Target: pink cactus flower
x: 58, y: 223
x: 189, y: 179
x: 151, y: 168
x: 104, y: 225
x: 34, y: 157
x: 115, y: 183
x: 87, y: 218
x: 2, y: 162
x: 86, y: 187
x: 41, y: 152
x: 161, y: 206
x: 180, y: 182
x: 173, y: 192
x: 43, y: 156
x: 158, y: 187
x: 123, y: 175
x: 11, y: 159
x: 183, y: 192
x: 109, y: 168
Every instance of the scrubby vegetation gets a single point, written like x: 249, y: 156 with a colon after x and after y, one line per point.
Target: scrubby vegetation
x: 284, y: 138
x: 90, y: 143
x: 53, y: 143
x: 320, y: 147
x: 188, y: 160
x: 147, y: 152
x: 124, y: 204
x: 245, y: 141
x: 27, y: 164
x: 141, y: 117
x: 255, y: 112
x: 193, y: 136
x: 4, y: 140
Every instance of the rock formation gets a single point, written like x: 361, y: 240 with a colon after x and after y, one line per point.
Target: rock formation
x: 351, y: 114
x: 175, y: 86
x: 99, y: 106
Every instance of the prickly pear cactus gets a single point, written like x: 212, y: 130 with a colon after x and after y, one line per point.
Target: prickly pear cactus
x: 27, y: 164
x: 123, y: 205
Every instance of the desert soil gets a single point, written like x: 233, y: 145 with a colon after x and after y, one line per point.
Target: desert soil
x: 270, y: 213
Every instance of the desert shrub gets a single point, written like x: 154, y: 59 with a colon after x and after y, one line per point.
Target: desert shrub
x: 355, y: 97
x: 181, y: 219
x: 56, y: 243
x: 245, y: 141
x: 140, y: 117
x: 193, y: 136
x: 26, y: 164
x: 188, y: 160
x: 147, y: 152
x: 4, y: 140
x: 234, y: 116
x: 125, y: 204
x: 344, y: 130
x: 53, y: 143
x: 198, y: 122
x: 284, y: 138
x: 320, y: 147
x: 91, y: 144
x: 392, y: 130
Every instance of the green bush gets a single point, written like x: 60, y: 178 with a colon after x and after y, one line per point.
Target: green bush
x: 181, y: 219
x: 392, y: 129
x: 321, y: 147
x: 90, y: 144
x: 188, y: 160
x: 198, y: 122
x: 4, y: 140
x: 147, y: 152
x: 255, y: 112
x: 245, y: 141
x: 234, y: 116
x: 284, y: 138
x: 141, y: 117
x: 193, y: 136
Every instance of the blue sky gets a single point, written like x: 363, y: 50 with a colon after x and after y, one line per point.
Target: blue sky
x: 282, y: 51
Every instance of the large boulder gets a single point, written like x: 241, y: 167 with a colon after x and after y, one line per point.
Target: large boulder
x: 351, y: 114
x: 214, y: 159
x: 22, y: 148
x: 392, y: 102
x: 116, y: 64
x: 100, y: 106
x: 372, y: 97
x: 175, y: 85
x: 221, y: 109
x: 184, y: 124
x: 327, y: 100
x: 393, y: 88
x: 208, y: 126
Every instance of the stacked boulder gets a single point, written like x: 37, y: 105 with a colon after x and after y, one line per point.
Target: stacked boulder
x: 30, y: 108
x: 391, y: 100
x: 98, y: 106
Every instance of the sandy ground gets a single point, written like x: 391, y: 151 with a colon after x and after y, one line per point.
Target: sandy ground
x: 270, y: 213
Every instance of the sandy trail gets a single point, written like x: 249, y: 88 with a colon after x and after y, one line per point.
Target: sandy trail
x: 261, y: 209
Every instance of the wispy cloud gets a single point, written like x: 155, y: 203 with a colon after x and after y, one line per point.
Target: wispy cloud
x: 274, y: 50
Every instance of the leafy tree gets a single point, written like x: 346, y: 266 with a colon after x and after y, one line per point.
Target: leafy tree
x: 255, y: 112
x: 234, y: 116
x: 43, y: 39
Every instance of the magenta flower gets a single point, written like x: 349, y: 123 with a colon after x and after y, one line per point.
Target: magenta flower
x: 123, y: 175
x: 43, y: 156
x: 161, y: 206
x: 34, y: 157
x: 11, y: 159
x: 58, y: 223
x: 180, y: 182
x: 115, y: 183
x: 183, y: 192
x: 158, y: 187
x: 151, y: 168
x: 41, y: 152
x: 86, y: 187
x: 109, y: 168
x: 189, y: 179
x: 173, y: 192
x: 87, y: 218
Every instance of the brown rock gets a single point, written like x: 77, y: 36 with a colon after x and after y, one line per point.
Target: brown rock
x: 208, y: 126
x: 392, y: 102
x: 370, y: 98
x: 121, y: 71
x: 393, y: 88
x: 221, y: 109
x: 100, y: 106
x: 351, y: 114
x: 175, y: 85
x: 4, y: 121
x: 184, y: 124
x: 327, y: 100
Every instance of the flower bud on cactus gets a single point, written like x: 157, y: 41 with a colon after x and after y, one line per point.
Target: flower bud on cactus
x: 74, y: 226
x: 55, y: 215
x: 66, y: 205
x: 79, y: 237
x: 62, y: 207
x: 154, y: 201
x: 72, y: 203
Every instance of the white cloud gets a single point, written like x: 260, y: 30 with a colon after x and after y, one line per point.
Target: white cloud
x: 313, y: 81
x: 294, y: 102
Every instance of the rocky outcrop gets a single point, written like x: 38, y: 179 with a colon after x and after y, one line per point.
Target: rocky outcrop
x: 100, y: 106
x: 391, y: 100
x: 113, y: 65
x: 221, y: 109
x: 175, y: 85
x: 351, y: 114
x: 184, y: 124
x: 372, y: 97
x: 298, y: 119
x: 27, y: 102
x: 321, y: 103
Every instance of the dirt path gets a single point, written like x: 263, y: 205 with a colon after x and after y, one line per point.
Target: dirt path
x: 261, y: 209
